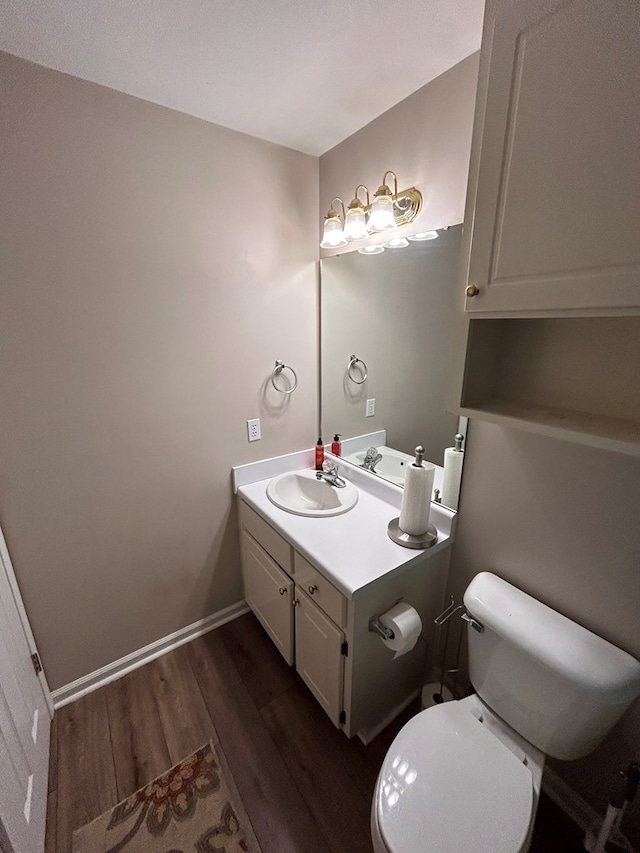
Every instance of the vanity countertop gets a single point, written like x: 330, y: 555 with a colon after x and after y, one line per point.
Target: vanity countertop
x: 352, y: 550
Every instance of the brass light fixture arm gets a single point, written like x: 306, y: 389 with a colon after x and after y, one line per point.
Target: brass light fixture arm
x: 332, y: 211
x: 355, y: 195
x: 395, y: 182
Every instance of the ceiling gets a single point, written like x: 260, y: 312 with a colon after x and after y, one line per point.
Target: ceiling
x: 302, y: 73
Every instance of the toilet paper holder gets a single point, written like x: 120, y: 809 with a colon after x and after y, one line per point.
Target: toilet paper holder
x: 376, y: 627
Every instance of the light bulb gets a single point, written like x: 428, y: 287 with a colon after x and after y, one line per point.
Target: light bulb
x: 371, y: 250
x: 396, y: 243
x: 381, y: 217
x: 355, y: 226
x: 332, y: 236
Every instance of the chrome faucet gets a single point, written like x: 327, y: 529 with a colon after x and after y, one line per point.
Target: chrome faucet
x: 371, y: 459
x: 329, y: 473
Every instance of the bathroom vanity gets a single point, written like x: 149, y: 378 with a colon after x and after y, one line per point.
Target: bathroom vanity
x: 314, y: 584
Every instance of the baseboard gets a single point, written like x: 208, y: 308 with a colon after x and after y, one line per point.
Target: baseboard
x: 113, y: 671
x: 571, y: 803
x: 581, y: 813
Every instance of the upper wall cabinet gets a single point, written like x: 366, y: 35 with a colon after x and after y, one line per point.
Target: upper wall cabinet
x: 555, y: 174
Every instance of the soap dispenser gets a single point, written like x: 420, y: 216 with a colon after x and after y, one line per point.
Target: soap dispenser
x: 319, y: 454
x: 336, y: 446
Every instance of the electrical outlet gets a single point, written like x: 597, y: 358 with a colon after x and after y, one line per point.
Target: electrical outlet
x: 253, y: 429
x: 371, y: 408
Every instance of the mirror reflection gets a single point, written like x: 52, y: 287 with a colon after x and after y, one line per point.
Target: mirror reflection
x: 386, y: 325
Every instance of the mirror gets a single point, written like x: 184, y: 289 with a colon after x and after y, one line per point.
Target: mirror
x: 393, y: 313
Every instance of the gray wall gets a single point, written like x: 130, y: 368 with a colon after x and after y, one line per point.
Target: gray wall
x: 559, y: 520
x: 154, y: 266
x: 562, y: 522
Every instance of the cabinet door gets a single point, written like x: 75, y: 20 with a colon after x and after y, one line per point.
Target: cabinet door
x: 319, y: 658
x: 269, y: 593
x: 555, y: 169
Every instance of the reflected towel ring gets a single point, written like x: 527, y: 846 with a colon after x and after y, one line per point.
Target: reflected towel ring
x: 353, y: 360
x: 280, y: 366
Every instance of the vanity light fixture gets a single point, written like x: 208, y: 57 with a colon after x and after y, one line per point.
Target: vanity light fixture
x: 385, y: 212
x: 382, y: 216
x: 333, y: 235
x: 423, y: 235
x: 355, y: 222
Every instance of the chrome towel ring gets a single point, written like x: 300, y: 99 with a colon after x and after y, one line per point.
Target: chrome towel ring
x: 280, y: 366
x: 353, y: 360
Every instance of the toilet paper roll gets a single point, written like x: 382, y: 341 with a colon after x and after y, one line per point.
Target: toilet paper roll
x: 452, y: 475
x: 416, y: 499
x: 406, y: 624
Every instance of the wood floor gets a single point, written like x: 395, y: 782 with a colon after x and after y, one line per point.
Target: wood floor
x: 306, y: 788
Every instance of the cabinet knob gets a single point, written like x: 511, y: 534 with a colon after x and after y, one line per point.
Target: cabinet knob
x: 282, y: 591
x: 295, y: 602
x: 471, y: 290
x: 312, y: 589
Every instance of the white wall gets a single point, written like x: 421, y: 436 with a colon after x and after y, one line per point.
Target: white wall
x: 154, y: 266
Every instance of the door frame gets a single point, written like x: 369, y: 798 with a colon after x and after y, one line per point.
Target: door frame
x: 7, y: 567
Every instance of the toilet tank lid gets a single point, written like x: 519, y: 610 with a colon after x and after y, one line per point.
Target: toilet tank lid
x: 572, y: 651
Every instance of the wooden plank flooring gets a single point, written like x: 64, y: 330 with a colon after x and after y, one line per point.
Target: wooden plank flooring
x: 305, y: 787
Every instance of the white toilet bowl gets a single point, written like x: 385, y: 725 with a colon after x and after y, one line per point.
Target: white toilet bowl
x: 456, y: 778
x: 465, y: 776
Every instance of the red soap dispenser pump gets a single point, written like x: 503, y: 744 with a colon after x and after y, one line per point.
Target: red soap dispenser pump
x: 319, y: 454
x: 336, y: 446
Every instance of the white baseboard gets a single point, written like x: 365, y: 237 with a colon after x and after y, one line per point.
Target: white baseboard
x: 113, y: 671
x: 571, y: 803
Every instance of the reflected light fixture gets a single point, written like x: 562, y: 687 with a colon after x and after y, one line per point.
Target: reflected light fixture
x: 385, y: 212
x: 396, y: 243
x: 371, y: 250
x: 333, y: 235
x: 423, y: 235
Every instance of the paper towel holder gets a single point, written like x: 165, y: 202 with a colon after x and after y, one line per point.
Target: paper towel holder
x: 376, y: 627
x: 425, y: 540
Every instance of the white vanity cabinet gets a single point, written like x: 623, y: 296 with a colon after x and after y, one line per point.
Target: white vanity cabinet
x: 555, y: 173
x: 303, y: 618
x: 320, y: 649
x: 269, y: 592
x: 324, y: 633
x: 549, y: 338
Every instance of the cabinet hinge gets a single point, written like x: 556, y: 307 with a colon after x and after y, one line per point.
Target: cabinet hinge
x: 343, y: 717
x: 35, y: 660
x: 344, y: 649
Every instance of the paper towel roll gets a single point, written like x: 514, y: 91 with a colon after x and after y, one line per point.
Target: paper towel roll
x: 404, y: 620
x: 416, y: 499
x: 452, y: 476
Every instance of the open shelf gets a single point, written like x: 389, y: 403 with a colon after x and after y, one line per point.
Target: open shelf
x: 572, y: 378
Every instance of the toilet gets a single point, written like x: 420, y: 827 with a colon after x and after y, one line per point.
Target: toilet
x: 466, y: 775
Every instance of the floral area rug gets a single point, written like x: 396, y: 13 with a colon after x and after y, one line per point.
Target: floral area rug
x: 189, y: 809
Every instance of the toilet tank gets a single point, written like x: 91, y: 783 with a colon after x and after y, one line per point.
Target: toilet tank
x: 556, y: 683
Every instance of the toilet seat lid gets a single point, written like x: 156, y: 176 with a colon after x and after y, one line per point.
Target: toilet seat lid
x: 448, y: 784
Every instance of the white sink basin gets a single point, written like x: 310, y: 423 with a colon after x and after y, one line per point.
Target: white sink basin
x: 301, y: 493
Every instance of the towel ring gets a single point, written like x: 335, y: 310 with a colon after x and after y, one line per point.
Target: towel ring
x: 280, y: 366
x: 353, y: 360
